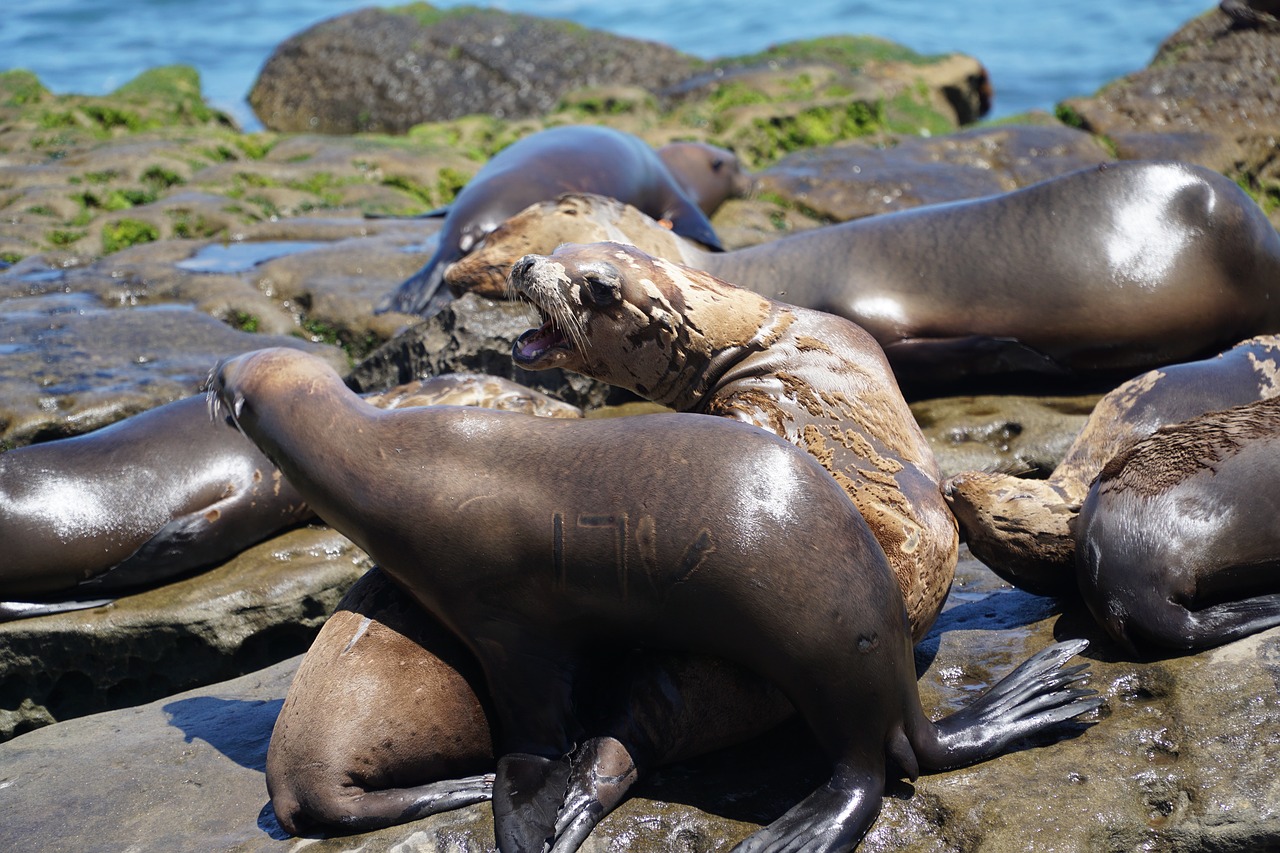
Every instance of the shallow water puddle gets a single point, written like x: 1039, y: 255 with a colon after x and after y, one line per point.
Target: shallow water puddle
x: 238, y: 257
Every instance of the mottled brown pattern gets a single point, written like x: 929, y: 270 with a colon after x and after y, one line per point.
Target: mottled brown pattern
x: 808, y: 344
x: 690, y: 341
x: 1176, y: 453
x: 1022, y: 528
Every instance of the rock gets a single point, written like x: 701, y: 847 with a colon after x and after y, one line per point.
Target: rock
x: 72, y: 365
x: 1179, y: 759
x: 473, y: 335
x: 384, y: 71
x: 1213, y: 76
x: 854, y: 180
x: 264, y: 605
x: 1005, y: 432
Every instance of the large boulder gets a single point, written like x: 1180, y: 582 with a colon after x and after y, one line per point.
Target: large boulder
x: 383, y: 71
x: 1212, y: 89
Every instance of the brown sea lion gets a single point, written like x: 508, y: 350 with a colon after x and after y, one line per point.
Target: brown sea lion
x: 577, y: 158
x: 709, y: 175
x: 388, y: 720
x: 1178, y: 540
x: 1021, y: 528
x: 163, y: 493
x: 544, y: 542
x: 683, y: 338
x: 1119, y: 267
x: 133, y: 504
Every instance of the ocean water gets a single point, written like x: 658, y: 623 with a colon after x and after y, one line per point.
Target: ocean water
x: 1036, y: 53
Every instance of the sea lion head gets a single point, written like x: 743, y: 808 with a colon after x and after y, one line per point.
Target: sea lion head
x: 615, y: 313
x: 710, y: 175
x: 541, y: 227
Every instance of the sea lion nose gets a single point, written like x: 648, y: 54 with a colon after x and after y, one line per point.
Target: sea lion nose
x: 521, y: 268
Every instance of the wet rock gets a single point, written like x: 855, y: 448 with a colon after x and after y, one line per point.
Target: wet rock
x: 1179, y: 759
x: 854, y: 180
x: 1006, y: 432
x: 71, y: 365
x: 384, y: 71
x: 473, y: 335
x: 264, y: 605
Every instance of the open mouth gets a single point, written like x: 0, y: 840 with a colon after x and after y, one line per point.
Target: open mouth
x: 536, y: 344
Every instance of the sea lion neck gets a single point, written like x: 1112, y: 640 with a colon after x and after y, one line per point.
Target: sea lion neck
x: 699, y: 330
x: 692, y: 389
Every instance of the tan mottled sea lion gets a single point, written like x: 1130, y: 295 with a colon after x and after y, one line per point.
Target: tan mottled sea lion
x: 685, y: 339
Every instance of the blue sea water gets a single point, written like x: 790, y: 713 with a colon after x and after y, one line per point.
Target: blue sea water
x: 1037, y: 53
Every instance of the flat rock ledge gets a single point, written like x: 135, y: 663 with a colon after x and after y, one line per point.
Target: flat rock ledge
x: 260, y: 607
x: 1183, y: 757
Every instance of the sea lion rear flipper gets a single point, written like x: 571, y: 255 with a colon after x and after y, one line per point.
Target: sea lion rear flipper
x: 1037, y: 694
x: 11, y: 610
x: 603, y: 772
x: 1168, y: 624
x: 834, y: 817
x: 527, y: 793
x: 972, y: 355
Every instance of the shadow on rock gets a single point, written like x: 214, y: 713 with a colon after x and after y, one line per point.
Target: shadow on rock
x: 237, y: 728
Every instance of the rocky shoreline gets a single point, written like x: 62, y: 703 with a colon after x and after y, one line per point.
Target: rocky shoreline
x: 145, y: 236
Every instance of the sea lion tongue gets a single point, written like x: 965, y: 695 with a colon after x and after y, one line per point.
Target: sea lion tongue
x: 536, y: 344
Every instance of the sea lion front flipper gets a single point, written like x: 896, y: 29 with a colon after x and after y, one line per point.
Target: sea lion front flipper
x: 527, y: 793
x: 421, y: 291
x: 972, y: 355
x: 603, y: 772
x: 834, y: 817
x: 688, y: 220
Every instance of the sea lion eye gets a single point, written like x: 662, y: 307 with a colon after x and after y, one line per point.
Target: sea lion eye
x: 602, y: 292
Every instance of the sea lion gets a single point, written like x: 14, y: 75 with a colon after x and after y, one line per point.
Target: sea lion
x: 685, y: 339
x: 1021, y: 527
x: 164, y: 493
x: 146, y: 499
x: 581, y: 158
x: 388, y: 718
x: 1118, y: 267
x: 709, y: 175
x: 1177, y: 542
x: 582, y: 549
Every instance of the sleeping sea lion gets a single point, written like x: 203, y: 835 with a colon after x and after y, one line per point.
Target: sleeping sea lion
x: 578, y: 158
x: 1119, y: 267
x: 1178, y: 540
x: 1021, y: 527
x: 163, y: 493
x: 542, y: 543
